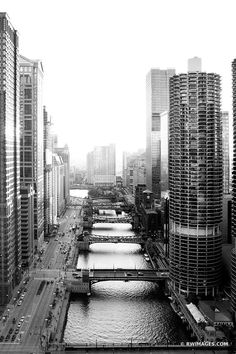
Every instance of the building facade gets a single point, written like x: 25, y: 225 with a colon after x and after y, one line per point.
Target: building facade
x: 225, y: 146
x: 48, y: 165
x: 58, y: 181
x: 164, y: 119
x: 134, y: 170
x: 233, y: 259
x: 10, y: 202
x: 194, y: 64
x: 27, y: 224
x: 195, y: 183
x: 157, y: 89
x: 31, y: 138
x: 65, y: 155
x: 101, y: 166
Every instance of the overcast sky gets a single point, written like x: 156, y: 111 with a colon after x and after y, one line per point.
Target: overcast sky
x: 96, y: 54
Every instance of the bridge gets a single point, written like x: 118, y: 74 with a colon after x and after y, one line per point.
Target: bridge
x: 96, y: 275
x: 80, y: 281
x: 111, y: 220
x: 115, y: 239
x: 81, y: 186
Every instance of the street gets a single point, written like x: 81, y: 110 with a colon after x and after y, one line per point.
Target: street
x: 33, y: 312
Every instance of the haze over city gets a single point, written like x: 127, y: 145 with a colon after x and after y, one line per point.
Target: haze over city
x: 96, y: 55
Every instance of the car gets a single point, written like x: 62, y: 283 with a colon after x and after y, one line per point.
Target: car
x: 140, y: 273
x: 129, y: 274
x: 10, y: 330
x: 19, y: 303
x: 163, y: 274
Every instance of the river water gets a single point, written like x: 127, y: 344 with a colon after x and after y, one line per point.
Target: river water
x: 120, y: 312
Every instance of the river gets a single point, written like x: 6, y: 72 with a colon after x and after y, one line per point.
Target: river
x: 118, y: 312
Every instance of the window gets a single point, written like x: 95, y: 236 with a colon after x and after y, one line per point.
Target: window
x: 28, y: 124
x: 28, y: 109
x: 28, y: 156
x: 28, y: 140
x: 28, y: 93
x: 28, y: 172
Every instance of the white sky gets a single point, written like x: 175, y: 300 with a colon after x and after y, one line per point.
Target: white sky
x: 96, y: 54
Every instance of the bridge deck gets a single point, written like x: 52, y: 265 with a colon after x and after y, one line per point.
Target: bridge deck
x: 112, y: 220
x: 119, y: 274
x: 115, y: 239
x: 143, y: 275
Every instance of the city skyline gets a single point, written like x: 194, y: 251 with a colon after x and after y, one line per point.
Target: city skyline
x: 168, y: 218
x: 113, y: 60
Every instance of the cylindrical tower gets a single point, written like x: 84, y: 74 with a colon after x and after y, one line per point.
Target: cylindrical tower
x: 233, y: 261
x: 195, y: 182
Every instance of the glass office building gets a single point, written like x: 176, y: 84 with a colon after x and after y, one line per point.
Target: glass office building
x: 10, y: 205
x: 157, y: 90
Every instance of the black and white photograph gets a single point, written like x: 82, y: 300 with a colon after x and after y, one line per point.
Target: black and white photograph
x: 117, y: 176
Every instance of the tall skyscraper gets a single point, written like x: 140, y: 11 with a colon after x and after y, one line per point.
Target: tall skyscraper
x: 31, y: 140
x: 195, y: 182
x: 233, y: 260
x: 225, y: 146
x: 101, y: 166
x: 10, y: 205
x: 157, y: 102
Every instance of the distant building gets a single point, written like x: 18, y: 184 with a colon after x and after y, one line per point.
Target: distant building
x: 90, y: 168
x: 65, y: 155
x: 31, y: 138
x: 77, y: 175
x: 58, y: 181
x: 119, y: 181
x: 10, y: 202
x: 101, y: 166
x: 48, y: 166
x: 157, y: 87
x: 195, y: 183
x: 134, y: 170
x: 139, y: 189
x: 149, y: 217
x: 194, y: 64
x: 225, y: 146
